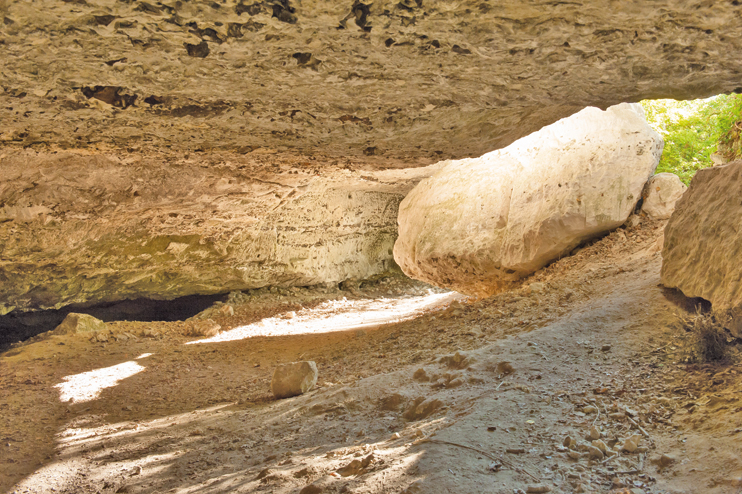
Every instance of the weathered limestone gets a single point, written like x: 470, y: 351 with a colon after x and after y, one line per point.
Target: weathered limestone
x: 79, y: 323
x: 480, y: 223
x: 660, y: 194
x: 293, y: 379
x: 99, y: 227
x: 406, y: 79
x: 703, y: 239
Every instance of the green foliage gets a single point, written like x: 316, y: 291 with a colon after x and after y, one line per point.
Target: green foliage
x: 694, y: 130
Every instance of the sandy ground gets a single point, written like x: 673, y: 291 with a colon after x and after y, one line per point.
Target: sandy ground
x: 453, y: 395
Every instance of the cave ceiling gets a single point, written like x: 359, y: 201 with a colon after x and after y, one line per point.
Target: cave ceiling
x: 409, y: 80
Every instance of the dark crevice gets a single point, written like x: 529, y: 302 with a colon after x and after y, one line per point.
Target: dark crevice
x: 19, y: 326
x: 688, y: 304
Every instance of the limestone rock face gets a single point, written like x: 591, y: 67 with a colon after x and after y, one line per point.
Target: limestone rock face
x: 90, y: 227
x: 480, y: 223
x: 79, y: 323
x: 389, y: 78
x: 660, y: 194
x: 703, y: 240
x: 293, y: 379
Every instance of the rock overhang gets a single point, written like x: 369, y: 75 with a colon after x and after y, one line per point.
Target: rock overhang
x: 414, y: 80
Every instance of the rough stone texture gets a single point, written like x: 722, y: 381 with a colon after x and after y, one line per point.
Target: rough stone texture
x: 85, y: 227
x: 397, y: 78
x: 660, y: 194
x: 79, y: 323
x: 480, y: 223
x: 203, y: 327
x: 293, y: 379
x: 703, y: 239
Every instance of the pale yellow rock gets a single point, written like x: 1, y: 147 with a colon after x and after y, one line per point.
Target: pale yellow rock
x: 79, y: 323
x: 660, y: 194
x: 481, y: 223
x: 293, y: 379
x: 703, y: 239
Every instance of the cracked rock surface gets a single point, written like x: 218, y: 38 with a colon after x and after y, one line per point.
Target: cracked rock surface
x: 407, y: 79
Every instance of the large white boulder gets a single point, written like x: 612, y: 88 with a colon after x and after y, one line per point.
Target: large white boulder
x: 660, y: 194
x: 703, y: 240
x: 481, y: 223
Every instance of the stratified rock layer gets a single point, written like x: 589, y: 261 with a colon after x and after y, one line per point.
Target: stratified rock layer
x: 480, y: 223
x: 84, y: 228
x: 660, y: 195
x: 407, y: 79
x: 703, y: 239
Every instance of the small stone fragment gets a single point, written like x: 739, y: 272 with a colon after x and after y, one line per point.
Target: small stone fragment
x: 293, y: 379
x: 455, y: 383
x: 264, y: 473
x: 505, y: 368
x: 422, y: 408
x: 594, y: 433
x: 312, y: 489
x: 666, y: 460
x: 537, y: 287
x: 356, y: 467
x: 590, y: 409
x: 574, y: 455
x: 456, y: 361
x: 605, y: 348
x: 101, y: 337
x: 601, y: 446
x: 629, y: 446
x: 595, y: 453
x: 538, y: 489
x: 420, y: 375
x: 391, y: 403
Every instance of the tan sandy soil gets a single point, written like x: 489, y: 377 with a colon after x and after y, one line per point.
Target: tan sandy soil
x: 591, y: 340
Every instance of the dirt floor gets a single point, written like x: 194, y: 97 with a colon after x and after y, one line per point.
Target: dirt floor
x: 582, y: 380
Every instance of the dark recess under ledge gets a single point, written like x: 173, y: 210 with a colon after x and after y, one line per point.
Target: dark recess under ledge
x: 19, y: 326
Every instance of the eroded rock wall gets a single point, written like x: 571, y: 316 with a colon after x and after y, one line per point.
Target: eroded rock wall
x: 703, y: 239
x: 411, y: 79
x: 86, y: 227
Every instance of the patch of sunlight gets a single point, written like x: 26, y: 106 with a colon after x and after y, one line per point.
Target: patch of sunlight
x: 337, y: 315
x: 85, y: 437
x: 87, y: 386
x: 144, y: 355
